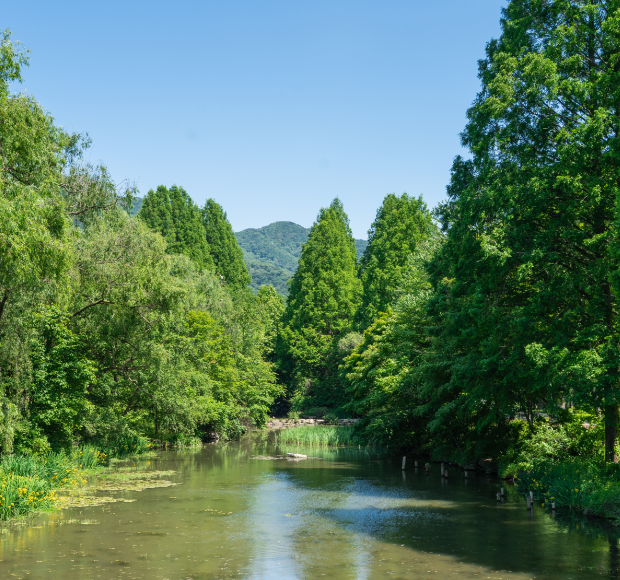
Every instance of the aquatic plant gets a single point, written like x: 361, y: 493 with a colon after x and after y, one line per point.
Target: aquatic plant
x: 317, y: 436
x: 20, y: 495
x: 587, y: 486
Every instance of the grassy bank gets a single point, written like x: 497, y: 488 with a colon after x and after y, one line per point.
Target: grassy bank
x: 30, y: 483
x: 317, y: 436
x: 589, y: 487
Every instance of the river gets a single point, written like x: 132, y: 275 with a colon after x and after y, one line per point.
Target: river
x: 341, y: 514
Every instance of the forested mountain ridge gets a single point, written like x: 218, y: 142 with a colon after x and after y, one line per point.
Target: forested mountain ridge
x: 271, y: 253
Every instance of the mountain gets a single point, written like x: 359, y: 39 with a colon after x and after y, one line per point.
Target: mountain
x: 271, y: 253
x: 137, y: 206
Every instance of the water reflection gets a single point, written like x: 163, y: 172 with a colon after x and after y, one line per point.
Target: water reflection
x: 342, y: 514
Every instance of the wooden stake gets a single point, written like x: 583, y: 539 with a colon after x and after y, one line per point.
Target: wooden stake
x: 404, y: 461
x: 441, y: 470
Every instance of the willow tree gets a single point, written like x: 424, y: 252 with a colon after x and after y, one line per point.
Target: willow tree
x: 527, y: 308
x: 173, y: 214
x: 323, y: 299
x: 401, y: 224
x: 227, y: 255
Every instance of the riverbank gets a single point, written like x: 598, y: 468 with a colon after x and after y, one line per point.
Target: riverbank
x: 31, y: 483
x: 288, y: 423
x: 45, y: 483
x: 582, y: 486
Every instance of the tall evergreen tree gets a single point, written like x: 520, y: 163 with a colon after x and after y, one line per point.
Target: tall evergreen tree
x: 227, y: 255
x: 323, y: 299
x: 401, y: 224
x: 173, y: 214
x: 527, y: 309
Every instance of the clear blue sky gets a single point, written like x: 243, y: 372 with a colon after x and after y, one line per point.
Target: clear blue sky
x: 273, y: 108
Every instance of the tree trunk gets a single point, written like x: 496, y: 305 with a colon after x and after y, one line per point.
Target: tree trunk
x: 611, y: 433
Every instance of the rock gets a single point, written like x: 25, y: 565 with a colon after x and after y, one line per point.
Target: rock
x: 212, y: 437
x: 297, y: 455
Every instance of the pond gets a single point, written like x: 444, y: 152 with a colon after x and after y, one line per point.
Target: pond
x: 340, y: 514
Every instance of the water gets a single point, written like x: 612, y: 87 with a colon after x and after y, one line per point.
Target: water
x: 348, y: 514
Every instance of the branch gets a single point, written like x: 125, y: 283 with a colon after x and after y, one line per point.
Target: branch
x: 102, y: 301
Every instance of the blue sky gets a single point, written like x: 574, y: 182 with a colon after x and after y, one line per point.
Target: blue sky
x: 271, y: 107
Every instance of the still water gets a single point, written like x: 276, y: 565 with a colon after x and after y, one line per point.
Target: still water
x: 342, y: 514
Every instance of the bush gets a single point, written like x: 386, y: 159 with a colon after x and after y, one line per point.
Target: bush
x: 584, y: 485
x: 563, y: 440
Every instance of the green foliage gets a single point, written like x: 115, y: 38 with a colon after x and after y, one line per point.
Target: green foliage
x: 114, y: 329
x: 317, y: 436
x: 401, y: 224
x: 323, y: 299
x: 60, y: 378
x: 577, y: 437
x: 271, y: 253
x: 227, y: 255
x: 382, y: 373
x: 28, y: 483
x: 265, y: 274
x: 582, y: 484
x: 173, y: 214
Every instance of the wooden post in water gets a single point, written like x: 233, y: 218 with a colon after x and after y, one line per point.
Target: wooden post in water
x: 529, y: 502
x: 498, y: 496
x: 404, y: 461
x: 427, y: 468
x: 415, y: 463
x: 441, y: 470
x: 553, y: 506
x: 502, y: 492
x: 445, y: 473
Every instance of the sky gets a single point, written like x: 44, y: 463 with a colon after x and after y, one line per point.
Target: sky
x: 271, y: 107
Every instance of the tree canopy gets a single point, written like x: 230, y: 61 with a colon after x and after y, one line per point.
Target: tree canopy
x: 401, y: 224
x: 227, y: 255
x: 173, y: 214
x: 324, y: 296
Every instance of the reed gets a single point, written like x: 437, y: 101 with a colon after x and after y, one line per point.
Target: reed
x: 318, y: 436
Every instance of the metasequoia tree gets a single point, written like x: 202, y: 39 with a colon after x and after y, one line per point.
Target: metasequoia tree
x: 173, y: 214
x: 526, y: 305
x: 227, y: 255
x: 320, y: 308
x: 401, y: 224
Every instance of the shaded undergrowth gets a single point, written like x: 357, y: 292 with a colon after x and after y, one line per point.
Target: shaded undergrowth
x: 590, y: 487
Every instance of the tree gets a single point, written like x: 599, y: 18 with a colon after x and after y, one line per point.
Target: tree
x: 526, y: 311
x: 173, y: 214
x: 401, y: 224
x: 227, y: 255
x: 323, y: 299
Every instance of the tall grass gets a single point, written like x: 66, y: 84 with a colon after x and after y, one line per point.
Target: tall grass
x: 581, y: 485
x: 28, y: 483
x: 317, y: 436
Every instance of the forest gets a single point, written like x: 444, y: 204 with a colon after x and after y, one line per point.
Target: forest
x: 485, y: 328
